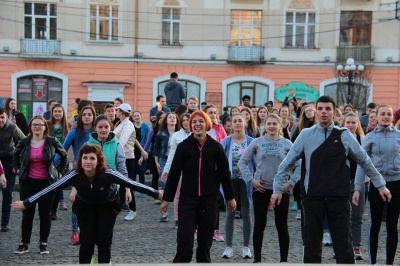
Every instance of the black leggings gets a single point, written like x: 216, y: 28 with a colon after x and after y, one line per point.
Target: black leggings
x: 392, y: 216
x: 260, y: 203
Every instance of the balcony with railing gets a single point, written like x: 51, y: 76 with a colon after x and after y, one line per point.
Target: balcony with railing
x: 40, y: 48
x: 360, y: 53
x: 246, y: 55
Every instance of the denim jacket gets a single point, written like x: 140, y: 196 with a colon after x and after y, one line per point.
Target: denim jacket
x: 161, y: 144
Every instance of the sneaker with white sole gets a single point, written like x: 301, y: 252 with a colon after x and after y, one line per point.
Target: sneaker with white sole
x: 218, y: 237
x: 298, y: 215
x: 246, y: 253
x: 357, y: 253
x: 228, y: 253
x: 43, y: 248
x: 22, y: 248
x: 327, y: 240
x: 131, y: 215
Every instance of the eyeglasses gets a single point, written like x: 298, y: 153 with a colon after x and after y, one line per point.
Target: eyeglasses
x: 37, y: 125
x: 309, y: 111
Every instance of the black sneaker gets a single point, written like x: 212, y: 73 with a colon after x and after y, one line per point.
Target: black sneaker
x: 176, y: 224
x: 4, y: 228
x: 43, y: 248
x: 23, y: 248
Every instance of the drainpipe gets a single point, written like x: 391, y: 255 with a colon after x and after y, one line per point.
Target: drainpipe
x: 136, y: 52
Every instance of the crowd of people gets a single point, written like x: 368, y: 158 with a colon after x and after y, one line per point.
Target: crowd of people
x: 249, y: 157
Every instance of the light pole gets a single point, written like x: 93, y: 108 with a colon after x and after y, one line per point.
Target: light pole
x: 351, y: 71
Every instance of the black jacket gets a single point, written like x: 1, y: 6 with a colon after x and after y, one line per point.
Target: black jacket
x: 100, y: 190
x: 208, y: 165
x: 51, y: 147
x: 9, y: 137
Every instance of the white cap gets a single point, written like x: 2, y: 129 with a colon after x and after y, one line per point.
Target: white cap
x: 125, y: 107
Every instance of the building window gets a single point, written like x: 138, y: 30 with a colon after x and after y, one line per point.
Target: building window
x: 33, y: 92
x: 359, y: 94
x: 257, y: 91
x: 246, y: 28
x: 355, y: 28
x: 40, y: 21
x: 191, y: 88
x: 300, y: 30
x: 171, y: 26
x: 104, y: 21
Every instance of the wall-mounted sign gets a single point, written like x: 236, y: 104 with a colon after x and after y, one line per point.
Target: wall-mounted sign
x: 300, y: 89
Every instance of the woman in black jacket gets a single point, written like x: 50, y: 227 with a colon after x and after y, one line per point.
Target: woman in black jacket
x: 33, y: 159
x: 97, y: 201
x: 204, y: 167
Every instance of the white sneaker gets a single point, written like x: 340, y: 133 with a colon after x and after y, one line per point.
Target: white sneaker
x: 298, y: 215
x: 228, y: 253
x: 246, y: 253
x: 130, y: 216
x: 327, y: 240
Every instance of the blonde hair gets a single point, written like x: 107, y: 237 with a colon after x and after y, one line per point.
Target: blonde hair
x: 359, y: 130
x: 277, y: 118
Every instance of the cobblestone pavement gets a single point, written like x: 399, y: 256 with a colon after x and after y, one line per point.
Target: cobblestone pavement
x: 146, y: 240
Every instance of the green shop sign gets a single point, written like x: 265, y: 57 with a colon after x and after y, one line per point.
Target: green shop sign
x: 298, y: 89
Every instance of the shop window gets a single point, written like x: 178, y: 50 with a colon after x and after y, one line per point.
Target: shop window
x: 257, y: 91
x: 339, y: 92
x: 191, y: 88
x: 33, y: 92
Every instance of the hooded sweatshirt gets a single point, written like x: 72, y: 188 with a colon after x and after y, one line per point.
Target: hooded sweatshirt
x: 174, y: 93
x: 112, y: 151
x: 383, y: 146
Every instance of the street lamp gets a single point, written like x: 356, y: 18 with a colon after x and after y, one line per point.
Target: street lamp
x: 352, y: 73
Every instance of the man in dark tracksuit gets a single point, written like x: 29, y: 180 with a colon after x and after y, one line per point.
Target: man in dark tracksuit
x: 326, y: 185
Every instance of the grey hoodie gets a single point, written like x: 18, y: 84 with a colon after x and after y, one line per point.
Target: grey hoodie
x: 174, y: 93
x: 383, y: 146
x: 269, y: 154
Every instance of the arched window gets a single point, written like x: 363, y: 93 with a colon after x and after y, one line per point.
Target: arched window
x: 258, y: 92
x: 34, y: 91
x: 360, y: 94
x: 191, y: 88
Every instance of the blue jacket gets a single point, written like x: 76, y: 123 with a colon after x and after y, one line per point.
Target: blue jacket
x: 144, y: 132
x: 161, y: 144
x: 227, y: 145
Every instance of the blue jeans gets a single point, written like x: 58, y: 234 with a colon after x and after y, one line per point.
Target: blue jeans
x: 162, y: 162
x: 8, y: 165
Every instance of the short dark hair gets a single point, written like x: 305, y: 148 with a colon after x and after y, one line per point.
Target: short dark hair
x: 174, y: 75
x: 246, y: 97
x: 254, y: 106
x: 83, y: 103
x: 372, y: 105
x: 119, y: 99
x: 49, y: 102
x: 108, y: 105
x: 326, y: 99
x: 269, y: 102
x: 3, y: 110
x: 225, y: 109
x: 158, y: 98
x: 203, y: 103
x: 77, y: 100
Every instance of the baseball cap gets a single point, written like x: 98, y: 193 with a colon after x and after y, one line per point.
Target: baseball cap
x: 125, y: 107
